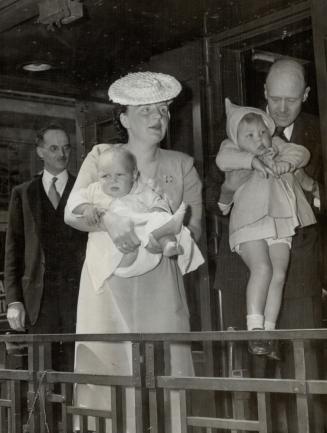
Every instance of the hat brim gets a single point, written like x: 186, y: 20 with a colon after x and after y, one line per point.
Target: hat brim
x: 142, y: 88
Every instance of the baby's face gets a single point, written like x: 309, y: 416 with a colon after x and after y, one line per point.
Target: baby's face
x: 254, y: 137
x: 116, y: 176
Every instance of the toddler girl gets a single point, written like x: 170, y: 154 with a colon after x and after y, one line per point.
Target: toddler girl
x: 268, y: 206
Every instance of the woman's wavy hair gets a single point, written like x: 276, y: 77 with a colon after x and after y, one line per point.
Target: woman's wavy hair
x: 118, y: 109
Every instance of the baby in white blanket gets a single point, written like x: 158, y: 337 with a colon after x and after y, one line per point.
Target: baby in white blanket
x: 120, y: 191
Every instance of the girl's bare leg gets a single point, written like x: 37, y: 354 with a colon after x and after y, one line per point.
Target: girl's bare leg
x: 255, y: 255
x: 279, y: 256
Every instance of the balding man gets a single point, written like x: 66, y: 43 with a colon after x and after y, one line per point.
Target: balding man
x: 44, y: 256
x: 285, y: 91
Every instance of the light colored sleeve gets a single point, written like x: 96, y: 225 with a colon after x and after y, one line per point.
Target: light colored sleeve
x: 155, y: 201
x: 81, y: 196
x: 231, y: 157
x: 192, y: 196
x: 295, y: 154
x: 88, y: 174
x: 306, y: 182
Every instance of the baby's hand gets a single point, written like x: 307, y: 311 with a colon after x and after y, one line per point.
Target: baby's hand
x: 283, y: 167
x: 269, y: 162
x: 92, y: 214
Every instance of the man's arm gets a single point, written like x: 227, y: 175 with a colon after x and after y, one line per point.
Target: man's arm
x: 14, y: 263
x: 298, y: 156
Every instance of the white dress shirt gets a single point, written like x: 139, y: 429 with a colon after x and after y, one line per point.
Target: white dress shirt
x: 61, y: 182
x: 288, y: 131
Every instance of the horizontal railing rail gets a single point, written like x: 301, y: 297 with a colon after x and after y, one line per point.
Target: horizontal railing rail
x: 150, y: 382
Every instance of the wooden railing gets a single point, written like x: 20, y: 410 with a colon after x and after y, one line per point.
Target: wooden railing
x: 152, y: 386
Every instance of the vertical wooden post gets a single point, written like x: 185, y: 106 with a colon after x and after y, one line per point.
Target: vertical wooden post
x: 67, y: 419
x: 15, y: 412
x: 150, y: 385
x: 183, y: 409
x: 264, y: 413
x: 302, y: 403
x: 100, y: 425
x: 136, y: 360
x: 46, y: 412
x: 167, y: 399
x: 32, y: 404
x: 3, y: 390
x: 83, y: 424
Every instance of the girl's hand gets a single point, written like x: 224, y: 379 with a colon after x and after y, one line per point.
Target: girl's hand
x: 121, y: 231
x: 261, y: 167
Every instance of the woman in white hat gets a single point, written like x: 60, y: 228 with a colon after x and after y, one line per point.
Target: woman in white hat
x: 155, y: 301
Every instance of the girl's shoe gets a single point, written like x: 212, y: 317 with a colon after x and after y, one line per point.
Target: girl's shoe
x: 258, y: 347
x: 274, y: 352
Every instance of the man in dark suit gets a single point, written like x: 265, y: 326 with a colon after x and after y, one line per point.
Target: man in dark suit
x: 285, y: 92
x: 43, y: 255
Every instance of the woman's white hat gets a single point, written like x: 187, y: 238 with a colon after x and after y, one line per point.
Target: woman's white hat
x: 141, y: 88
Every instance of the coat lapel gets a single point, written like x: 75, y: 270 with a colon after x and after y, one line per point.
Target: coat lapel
x: 34, y: 192
x: 68, y: 188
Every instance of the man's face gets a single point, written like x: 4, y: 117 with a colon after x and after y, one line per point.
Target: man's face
x: 285, y: 92
x: 54, y: 151
x: 253, y: 137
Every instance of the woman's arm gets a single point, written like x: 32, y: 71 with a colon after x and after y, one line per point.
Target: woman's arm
x: 86, y: 176
x: 192, y: 196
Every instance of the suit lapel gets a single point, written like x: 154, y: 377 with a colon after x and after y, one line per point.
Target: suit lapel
x: 297, y: 132
x: 34, y: 195
x: 68, y: 188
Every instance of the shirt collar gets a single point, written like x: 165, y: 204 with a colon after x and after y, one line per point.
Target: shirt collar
x: 61, y: 182
x: 288, y: 130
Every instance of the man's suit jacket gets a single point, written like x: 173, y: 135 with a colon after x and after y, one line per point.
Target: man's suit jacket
x: 24, y: 254
x: 306, y: 132
x: 304, y: 274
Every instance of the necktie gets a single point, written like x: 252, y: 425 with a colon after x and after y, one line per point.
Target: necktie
x: 53, y: 194
x: 279, y: 132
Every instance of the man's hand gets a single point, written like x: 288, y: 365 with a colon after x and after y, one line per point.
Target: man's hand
x: 16, y: 316
x: 261, y: 167
x: 121, y: 231
x: 283, y: 167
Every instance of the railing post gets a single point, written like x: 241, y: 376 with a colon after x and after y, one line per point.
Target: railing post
x: 302, y: 404
x: 32, y: 403
x: 46, y: 413
x: 136, y: 360
x: 15, y: 396
x: 167, y: 393
x: 150, y: 385
x: 264, y: 412
x: 67, y: 419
